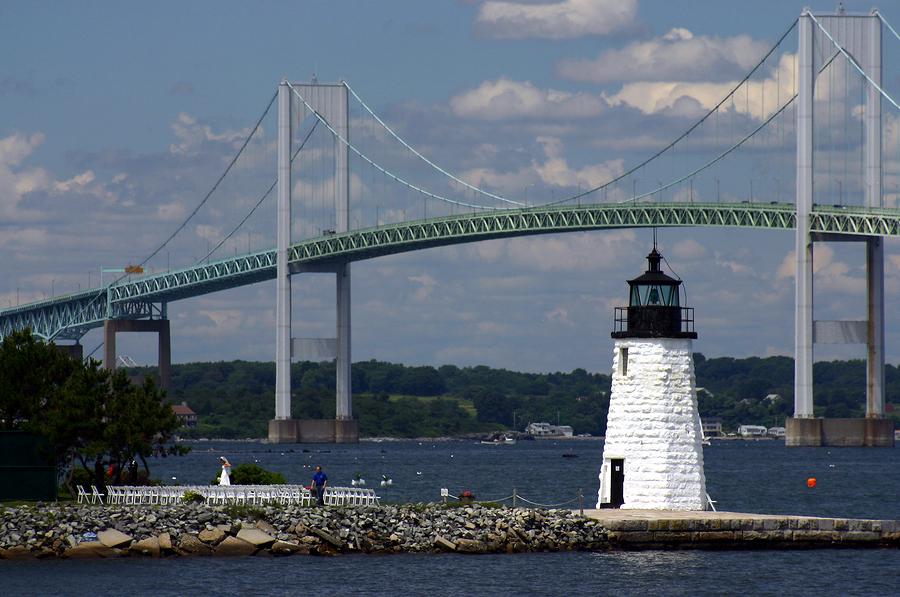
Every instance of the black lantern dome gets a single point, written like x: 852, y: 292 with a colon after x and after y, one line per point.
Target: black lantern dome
x: 654, y: 308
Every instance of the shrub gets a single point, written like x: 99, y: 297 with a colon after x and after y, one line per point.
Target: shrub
x: 253, y: 474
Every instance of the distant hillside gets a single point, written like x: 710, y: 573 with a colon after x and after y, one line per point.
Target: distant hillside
x: 236, y: 399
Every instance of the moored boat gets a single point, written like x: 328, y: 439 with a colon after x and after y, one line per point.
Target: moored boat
x: 502, y: 440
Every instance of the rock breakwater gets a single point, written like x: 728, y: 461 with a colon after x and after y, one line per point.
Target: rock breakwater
x: 80, y: 531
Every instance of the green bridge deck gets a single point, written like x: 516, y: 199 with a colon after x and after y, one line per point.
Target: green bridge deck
x: 71, y: 316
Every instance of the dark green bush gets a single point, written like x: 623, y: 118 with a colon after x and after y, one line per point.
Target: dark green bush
x: 253, y: 474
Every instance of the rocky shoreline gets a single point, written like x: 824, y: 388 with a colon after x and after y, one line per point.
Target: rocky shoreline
x: 82, y: 531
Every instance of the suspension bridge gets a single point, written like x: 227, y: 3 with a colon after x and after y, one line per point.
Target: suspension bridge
x: 812, y: 112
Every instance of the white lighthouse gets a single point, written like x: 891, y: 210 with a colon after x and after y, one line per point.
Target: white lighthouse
x: 653, y: 455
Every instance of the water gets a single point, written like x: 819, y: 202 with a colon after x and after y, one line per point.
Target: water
x: 644, y: 574
x: 758, y: 477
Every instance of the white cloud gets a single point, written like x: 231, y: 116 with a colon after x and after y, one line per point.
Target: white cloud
x: 555, y: 20
x: 555, y: 170
x: 24, y: 240
x: 531, y: 183
x: 171, y: 212
x: 212, y: 234
x: 15, y: 182
x: 76, y: 182
x: 679, y: 56
x: 224, y: 322
x: 504, y: 98
x: 428, y: 283
x: 193, y: 134
x: 15, y: 148
x: 763, y: 97
x: 688, y: 249
x: 559, y: 315
x: 670, y: 91
x: 572, y: 252
x: 736, y: 267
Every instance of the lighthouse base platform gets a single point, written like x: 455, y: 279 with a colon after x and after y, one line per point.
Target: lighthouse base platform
x: 666, y: 529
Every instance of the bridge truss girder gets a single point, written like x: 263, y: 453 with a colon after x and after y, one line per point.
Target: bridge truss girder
x: 71, y: 316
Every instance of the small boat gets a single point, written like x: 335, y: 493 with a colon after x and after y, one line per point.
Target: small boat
x: 509, y: 441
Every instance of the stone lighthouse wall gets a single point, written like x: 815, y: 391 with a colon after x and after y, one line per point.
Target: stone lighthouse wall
x: 654, y: 426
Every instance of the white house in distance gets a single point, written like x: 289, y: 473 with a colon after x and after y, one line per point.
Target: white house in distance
x: 548, y: 430
x: 653, y: 455
x: 752, y: 431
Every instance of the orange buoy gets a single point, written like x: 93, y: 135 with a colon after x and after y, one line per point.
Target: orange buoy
x: 810, y: 482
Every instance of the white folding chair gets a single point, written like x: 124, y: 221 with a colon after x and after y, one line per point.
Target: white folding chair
x: 83, y: 495
x: 96, y: 496
x: 113, y: 494
x: 306, y: 498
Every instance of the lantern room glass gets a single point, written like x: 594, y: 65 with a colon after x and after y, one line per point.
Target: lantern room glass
x: 654, y: 295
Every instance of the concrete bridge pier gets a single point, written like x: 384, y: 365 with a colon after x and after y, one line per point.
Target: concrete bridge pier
x: 161, y: 326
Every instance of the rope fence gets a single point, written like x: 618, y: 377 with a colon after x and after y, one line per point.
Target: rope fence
x: 516, y: 498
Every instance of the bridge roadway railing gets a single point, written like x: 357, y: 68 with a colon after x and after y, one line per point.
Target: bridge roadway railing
x: 71, y: 316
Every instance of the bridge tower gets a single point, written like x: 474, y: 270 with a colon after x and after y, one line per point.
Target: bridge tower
x: 330, y: 102
x: 653, y: 455
x: 860, y: 37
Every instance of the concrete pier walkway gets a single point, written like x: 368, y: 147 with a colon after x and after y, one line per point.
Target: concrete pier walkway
x: 662, y: 529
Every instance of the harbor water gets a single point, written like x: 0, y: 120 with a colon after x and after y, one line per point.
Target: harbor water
x: 762, y: 477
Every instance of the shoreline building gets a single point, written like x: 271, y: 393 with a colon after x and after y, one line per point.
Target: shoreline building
x: 653, y: 455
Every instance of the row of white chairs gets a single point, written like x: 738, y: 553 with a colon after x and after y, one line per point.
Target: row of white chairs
x: 229, y: 494
x: 350, y: 496
x: 95, y: 497
x: 256, y: 494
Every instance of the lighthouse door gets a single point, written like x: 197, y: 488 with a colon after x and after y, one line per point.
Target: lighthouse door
x: 616, y: 482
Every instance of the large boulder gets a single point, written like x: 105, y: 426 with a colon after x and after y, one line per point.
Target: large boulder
x: 113, y: 538
x: 256, y: 537
x: 232, y: 546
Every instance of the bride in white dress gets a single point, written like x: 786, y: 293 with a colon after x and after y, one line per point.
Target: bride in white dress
x: 224, y: 478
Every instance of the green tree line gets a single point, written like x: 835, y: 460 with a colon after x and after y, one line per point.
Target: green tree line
x: 236, y: 399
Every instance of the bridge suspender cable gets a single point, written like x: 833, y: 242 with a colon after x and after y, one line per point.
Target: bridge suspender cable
x: 854, y: 63
x: 181, y: 227
x: 394, y: 176
x: 211, y: 191
x: 423, y: 158
x: 261, y: 199
x: 714, y: 110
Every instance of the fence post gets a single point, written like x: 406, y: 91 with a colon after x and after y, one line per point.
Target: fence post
x: 581, y: 501
x: 515, y: 496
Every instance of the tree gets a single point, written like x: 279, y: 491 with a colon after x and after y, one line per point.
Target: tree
x: 421, y: 381
x: 75, y: 417
x: 31, y: 375
x: 86, y: 412
x: 493, y: 406
x: 138, y: 422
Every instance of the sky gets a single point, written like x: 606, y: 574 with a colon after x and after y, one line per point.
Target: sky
x: 116, y: 118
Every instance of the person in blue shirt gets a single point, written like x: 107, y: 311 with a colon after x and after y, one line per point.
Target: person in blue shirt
x: 320, y: 481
